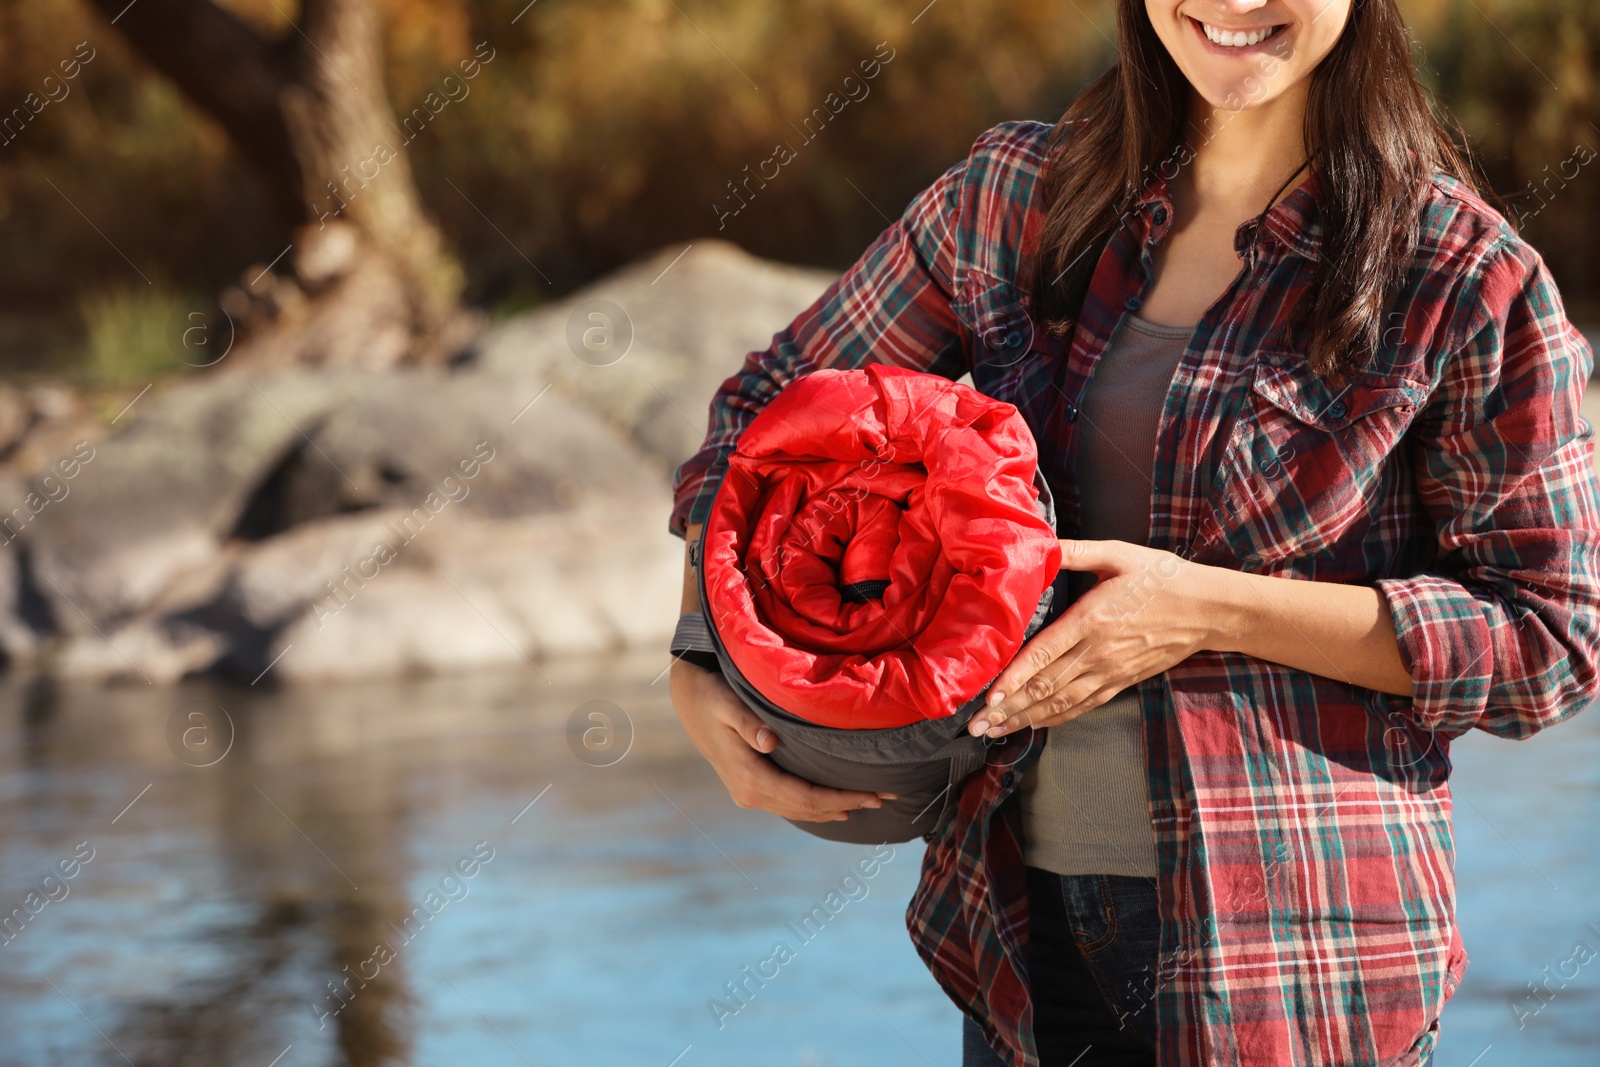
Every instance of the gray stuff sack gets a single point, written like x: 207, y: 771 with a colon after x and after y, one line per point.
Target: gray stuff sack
x: 924, y: 763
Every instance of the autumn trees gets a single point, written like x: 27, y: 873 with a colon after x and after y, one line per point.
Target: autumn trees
x: 367, y: 279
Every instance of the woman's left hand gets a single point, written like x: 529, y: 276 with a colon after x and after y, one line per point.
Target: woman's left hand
x: 1148, y: 610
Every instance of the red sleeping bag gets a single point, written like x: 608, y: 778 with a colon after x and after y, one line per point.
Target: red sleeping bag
x: 875, y: 551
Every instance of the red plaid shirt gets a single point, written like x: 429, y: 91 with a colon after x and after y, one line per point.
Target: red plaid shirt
x: 1306, y: 882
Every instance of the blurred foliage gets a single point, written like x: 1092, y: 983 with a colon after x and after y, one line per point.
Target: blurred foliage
x: 602, y: 129
x: 1521, y: 77
x: 133, y: 332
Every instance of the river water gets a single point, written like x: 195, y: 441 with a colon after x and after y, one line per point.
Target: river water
x: 450, y: 871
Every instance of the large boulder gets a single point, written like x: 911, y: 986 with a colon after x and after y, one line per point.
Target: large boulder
x: 328, y: 523
x: 687, y: 321
x: 147, y: 507
x: 408, y: 434
x: 438, y: 467
x: 474, y: 592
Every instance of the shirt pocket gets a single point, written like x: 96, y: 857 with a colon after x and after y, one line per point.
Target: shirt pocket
x: 1306, y: 467
x: 999, y: 329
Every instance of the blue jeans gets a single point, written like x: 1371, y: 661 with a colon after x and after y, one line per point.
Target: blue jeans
x: 1093, y: 947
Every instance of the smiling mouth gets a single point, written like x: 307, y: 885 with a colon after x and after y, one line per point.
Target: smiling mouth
x: 1229, y: 38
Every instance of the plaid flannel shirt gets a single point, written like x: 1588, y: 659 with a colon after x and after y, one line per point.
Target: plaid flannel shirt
x: 1305, y: 854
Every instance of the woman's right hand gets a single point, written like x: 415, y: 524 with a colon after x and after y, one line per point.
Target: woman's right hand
x: 735, y: 742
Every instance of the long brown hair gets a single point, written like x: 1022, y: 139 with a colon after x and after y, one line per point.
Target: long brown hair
x: 1375, y: 140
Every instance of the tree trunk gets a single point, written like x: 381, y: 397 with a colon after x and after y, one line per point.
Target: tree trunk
x: 367, y: 280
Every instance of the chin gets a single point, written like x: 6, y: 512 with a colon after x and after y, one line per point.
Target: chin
x: 1233, y: 96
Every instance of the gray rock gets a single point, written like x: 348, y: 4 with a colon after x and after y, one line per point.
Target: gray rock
x: 316, y: 524
x: 425, y: 431
x: 156, y: 500
x: 224, y: 457
x: 466, y: 592
x: 212, y: 530
x: 19, y: 642
x: 154, y: 651
x: 692, y: 321
x: 274, y: 581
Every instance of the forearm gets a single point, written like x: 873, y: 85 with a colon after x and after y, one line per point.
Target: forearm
x: 1337, y: 631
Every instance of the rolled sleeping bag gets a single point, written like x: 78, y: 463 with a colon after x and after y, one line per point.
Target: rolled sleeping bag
x: 880, y: 547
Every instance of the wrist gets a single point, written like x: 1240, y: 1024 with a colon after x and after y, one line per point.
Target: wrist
x: 692, y: 643
x: 1228, y: 605
x: 682, y: 666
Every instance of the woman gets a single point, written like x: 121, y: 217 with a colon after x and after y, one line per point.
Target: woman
x: 1354, y: 518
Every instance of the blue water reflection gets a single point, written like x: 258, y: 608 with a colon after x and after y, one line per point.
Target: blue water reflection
x: 233, y: 914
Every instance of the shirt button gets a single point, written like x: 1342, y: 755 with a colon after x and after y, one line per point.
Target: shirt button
x: 1133, y: 303
x: 1006, y: 779
x: 1070, y: 410
x: 1336, y: 409
x: 1160, y: 216
x: 1000, y: 337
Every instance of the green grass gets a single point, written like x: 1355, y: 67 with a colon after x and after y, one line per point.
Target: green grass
x: 137, y: 332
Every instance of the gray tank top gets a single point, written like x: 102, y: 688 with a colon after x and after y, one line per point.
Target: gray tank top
x: 1085, y: 803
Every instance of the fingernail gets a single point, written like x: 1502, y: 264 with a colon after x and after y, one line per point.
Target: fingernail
x: 995, y: 697
x: 873, y: 803
x: 763, y: 736
x: 978, y: 726
x: 997, y: 731
x: 888, y: 796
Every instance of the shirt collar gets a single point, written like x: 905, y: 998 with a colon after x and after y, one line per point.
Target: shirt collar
x: 1293, y: 222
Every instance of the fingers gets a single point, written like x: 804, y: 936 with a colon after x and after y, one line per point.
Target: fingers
x: 1068, y: 641
x: 1034, y: 689
x: 1063, y: 707
x: 1045, y: 648
x: 1043, y: 699
x: 766, y: 786
x: 736, y: 743
x: 1098, y: 557
x: 756, y: 782
x: 713, y: 693
x: 756, y: 733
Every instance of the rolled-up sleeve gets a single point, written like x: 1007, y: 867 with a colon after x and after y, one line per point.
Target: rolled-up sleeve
x: 892, y: 306
x: 1501, y: 634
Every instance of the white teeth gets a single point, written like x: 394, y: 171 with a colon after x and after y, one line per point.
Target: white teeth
x: 1237, y: 38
